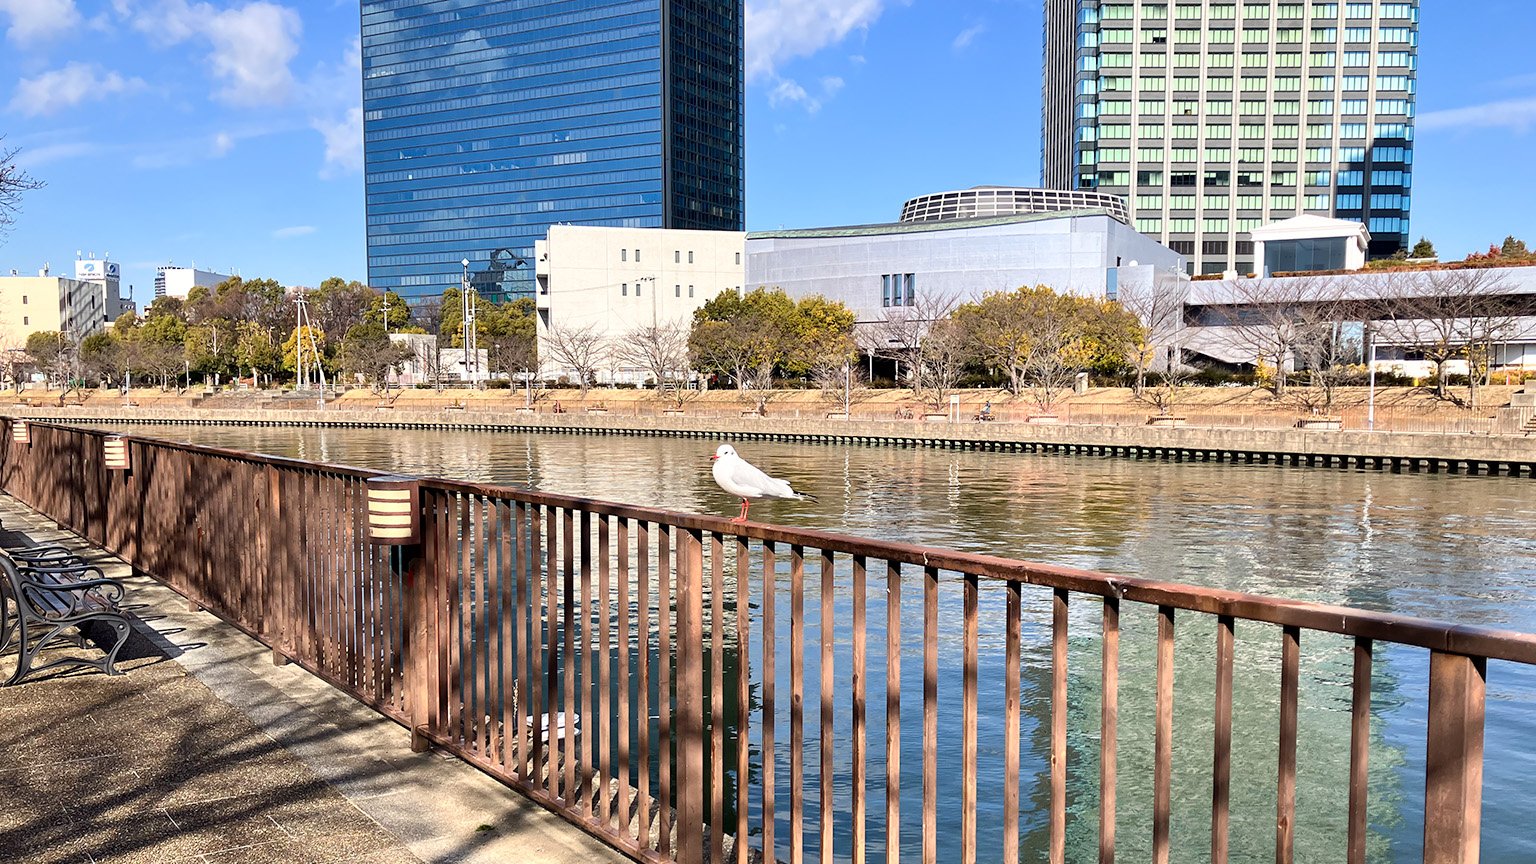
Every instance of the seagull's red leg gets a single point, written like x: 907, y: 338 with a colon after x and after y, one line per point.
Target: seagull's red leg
x: 743, y: 516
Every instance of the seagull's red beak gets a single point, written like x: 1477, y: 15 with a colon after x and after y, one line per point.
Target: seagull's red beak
x: 714, y: 456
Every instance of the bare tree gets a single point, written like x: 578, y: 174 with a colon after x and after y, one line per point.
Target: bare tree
x: 1160, y: 309
x: 834, y: 368
x: 13, y: 182
x: 901, y: 335
x: 1448, y: 315
x: 661, y: 350
x: 1266, y: 319
x: 579, y: 349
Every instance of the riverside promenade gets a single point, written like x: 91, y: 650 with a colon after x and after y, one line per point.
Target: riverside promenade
x: 1512, y: 454
x: 206, y: 752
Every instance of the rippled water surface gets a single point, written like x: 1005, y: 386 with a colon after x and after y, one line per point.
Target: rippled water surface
x: 1442, y: 546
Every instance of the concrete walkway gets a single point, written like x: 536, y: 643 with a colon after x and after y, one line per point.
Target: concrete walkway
x: 206, y: 752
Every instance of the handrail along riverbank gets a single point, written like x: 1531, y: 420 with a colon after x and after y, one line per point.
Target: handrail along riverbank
x: 521, y: 606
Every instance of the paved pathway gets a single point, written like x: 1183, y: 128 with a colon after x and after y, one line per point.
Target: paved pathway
x: 205, y: 752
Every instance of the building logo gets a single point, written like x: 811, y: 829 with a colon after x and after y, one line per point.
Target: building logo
x: 96, y: 271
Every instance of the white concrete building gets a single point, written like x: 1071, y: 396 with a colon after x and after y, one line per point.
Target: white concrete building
x: 1309, y: 243
x: 173, y: 281
x: 614, y: 281
x: 427, y: 363
x: 106, y: 276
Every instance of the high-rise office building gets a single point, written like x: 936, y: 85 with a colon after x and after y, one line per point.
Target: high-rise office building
x: 1213, y: 117
x: 484, y: 123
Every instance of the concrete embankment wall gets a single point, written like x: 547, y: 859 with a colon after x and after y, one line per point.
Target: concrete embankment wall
x: 1476, y: 454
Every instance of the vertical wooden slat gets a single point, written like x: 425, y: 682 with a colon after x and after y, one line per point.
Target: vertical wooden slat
x: 603, y: 710
x: 583, y: 704
x: 1012, y: 636
x: 527, y: 674
x: 506, y: 671
x: 643, y: 684
x: 1162, y: 768
x: 930, y: 715
x: 1221, y: 769
x: 1285, y: 804
x: 717, y: 697
x: 1109, y: 729
x: 770, y: 685
x: 743, y: 694
x: 570, y: 660
x: 443, y: 597
x: 690, y: 699
x: 970, y: 632
x: 667, y: 750
x: 860, y: 750
x: 1058, y: 851
x: 1453, y: 769
x: 623, y: 717
x: 546, y: 751
x: 457, y: 697
x: 796, y: 704
x: 827, y: 627
x: 1359, y: 751
x: 892, y: 712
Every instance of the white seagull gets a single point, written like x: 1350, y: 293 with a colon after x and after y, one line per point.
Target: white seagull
x: 745, y: 480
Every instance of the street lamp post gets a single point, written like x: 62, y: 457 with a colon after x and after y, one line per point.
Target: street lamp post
x: 471, y: 350
x: 1370, y: 403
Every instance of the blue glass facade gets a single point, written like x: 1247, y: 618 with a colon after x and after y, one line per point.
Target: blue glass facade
x: 486, y: 122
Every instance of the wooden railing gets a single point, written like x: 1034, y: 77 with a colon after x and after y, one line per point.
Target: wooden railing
x: 665, y: 638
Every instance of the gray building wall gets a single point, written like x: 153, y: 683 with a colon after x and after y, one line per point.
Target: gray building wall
x: 960, y: 260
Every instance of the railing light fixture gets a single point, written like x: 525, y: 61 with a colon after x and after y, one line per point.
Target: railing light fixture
x: 393, y: 506
x: 115, y: 453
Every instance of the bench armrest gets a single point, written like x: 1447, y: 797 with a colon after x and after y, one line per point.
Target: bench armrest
x: 109, y: 591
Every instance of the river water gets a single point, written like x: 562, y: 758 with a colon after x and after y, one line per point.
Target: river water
x: 1441, y: 546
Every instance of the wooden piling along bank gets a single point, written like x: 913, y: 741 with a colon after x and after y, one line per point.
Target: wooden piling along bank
x: 518, y: 605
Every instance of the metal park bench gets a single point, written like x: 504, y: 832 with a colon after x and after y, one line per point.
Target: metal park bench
x: 45, y: 592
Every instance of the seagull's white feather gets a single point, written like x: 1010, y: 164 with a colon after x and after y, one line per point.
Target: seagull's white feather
x: 745, y: 480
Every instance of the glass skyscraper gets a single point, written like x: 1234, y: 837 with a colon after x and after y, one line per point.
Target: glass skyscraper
x: 1213, y: 117
x: 487, y: 121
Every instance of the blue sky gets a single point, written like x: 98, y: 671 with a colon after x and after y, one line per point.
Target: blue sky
x: 228, y: 133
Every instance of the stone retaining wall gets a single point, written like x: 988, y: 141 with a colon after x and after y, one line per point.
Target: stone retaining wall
x: 1400, y: 451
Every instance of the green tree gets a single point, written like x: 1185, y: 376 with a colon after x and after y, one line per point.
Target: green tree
x: 1423, y: 249
x: 744, y: 336
x: 211, y: 347
x: 399, y: 312
x: 256, y: 351
x: 99, y: 356
x: 1513, y: 248
x: 51, y: 353
x: 314, y: 338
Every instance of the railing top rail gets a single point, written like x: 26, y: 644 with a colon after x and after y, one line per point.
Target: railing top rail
x: 1387, y: 627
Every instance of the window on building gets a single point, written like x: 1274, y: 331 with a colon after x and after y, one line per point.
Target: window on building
x: 624, y: 290
x: 1182, y: 247
x: 738, y: 257
x: 637, y: 289
x: 690, y: 290
x: 677, y: 256
x: 1303, y: 256
x: 623, y: 254
x: 637, y: 256
x: 25, y: 320
x: 1213, y: 247
x: 690, y: 256
x: 677, y: 290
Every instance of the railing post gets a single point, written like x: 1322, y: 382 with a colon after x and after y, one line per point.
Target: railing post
x: 690, y: 701
x: 1453, y: 769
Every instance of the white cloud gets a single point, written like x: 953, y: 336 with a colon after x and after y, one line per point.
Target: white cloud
x: 337, y: 112
x: 787, y: 91
x: 251, y: 45
x: 1516, y: 115
x: 967, y: 36
x: 32, y: 20
x: 33, y: 157
x: 63, y: 88
x: 781, y: 30
x: 223, y: 142
x: 293, y: 231
x: 343, y: 142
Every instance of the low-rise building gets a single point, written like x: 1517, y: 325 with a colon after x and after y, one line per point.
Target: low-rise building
x: 45, y: 302
x: 611, y: 282
x: 428, y: 364
x: 873, y: 269
x: 173, y: 281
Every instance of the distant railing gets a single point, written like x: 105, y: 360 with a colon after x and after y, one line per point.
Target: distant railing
x: 680, y: 648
